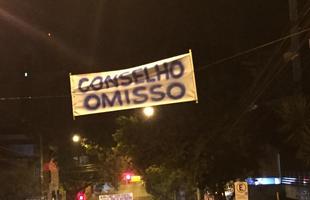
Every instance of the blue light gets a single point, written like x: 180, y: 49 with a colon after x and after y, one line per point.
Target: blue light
x: 264, y: 181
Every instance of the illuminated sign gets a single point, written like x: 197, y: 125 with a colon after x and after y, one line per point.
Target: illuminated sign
x: 136, y: 179
x: 264, y: 181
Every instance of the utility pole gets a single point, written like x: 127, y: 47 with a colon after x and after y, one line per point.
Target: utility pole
x: 295, y: 45
x: 41, y: 166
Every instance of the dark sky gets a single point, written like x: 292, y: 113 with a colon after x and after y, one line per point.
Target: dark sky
x: 100, y: 35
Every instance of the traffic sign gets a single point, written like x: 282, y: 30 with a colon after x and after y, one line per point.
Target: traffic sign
x: 125, y: 196
x: 241, y: 191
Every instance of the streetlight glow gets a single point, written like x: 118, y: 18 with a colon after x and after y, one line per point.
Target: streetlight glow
x: 76, y: 138
x: 148, y: 111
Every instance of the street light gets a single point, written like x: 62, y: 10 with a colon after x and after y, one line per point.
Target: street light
x: 76, y: 138
x: 148, y: 111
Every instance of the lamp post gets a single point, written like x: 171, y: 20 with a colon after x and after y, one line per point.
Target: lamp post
x: 76, y: 139
x: 41, y: 165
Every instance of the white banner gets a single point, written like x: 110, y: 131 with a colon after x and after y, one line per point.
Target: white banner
x: 164, y: 82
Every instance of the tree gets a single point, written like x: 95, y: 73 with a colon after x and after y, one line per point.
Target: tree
x: 165, y: 183
x: 294, y: 127
x: 154, y: 153
x: 205, y: 155
x: 103, y: 166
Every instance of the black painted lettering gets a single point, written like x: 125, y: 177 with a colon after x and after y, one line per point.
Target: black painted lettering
x: 96, y: 83
x: 92, y: 102
x: 125, y: 79
x: 147, y: 75
x: 176, y: 90
x: 155, y: 90
x: 81, y: 87
x: 162, y: 70
x: 108, y: 80
x: 138, y: 92
x: 106, y: 101
x: 176, y: 69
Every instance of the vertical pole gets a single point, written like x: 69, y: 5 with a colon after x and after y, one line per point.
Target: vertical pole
x: 296, y: 67
x: 198, y: 193
x: 279, y: 165
x: 41, y: 165
x: 174, y: 195
x: 194, y: 80
x: 72, y: 97
x: 279, y: 174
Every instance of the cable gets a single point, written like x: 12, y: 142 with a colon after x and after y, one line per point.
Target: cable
x: 253, y: 94
x: 201, y: 68
x: 278, y: 51
x: 254, y: 49
x: 274, y: 66
x: 198, y: 69
x: 32, y: 97
x: 259, y: 93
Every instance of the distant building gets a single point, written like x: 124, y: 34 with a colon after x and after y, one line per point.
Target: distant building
x: 19, y: 166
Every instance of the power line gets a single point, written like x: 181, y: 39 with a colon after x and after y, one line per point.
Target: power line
x: 254, y: 49
x: 198, y: 69
x: 269, y: 76
x: 32, y: 97
x: 277, y: 69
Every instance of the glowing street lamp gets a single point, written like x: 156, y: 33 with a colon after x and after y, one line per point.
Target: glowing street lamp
x: 76, y: 138
x: 148, y: 111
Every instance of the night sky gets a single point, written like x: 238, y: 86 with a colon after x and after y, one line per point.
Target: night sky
x: 101, y: 35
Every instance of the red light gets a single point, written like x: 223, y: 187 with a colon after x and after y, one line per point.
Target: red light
x: 127, y: 176
x: 80, y: 196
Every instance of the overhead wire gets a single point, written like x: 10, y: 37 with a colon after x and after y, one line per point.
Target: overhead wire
x: 246, y: 52
x: 279, y: 50
x: 272, y: 74
x: 32, y: 97
x: 281, y: 39
x: 201, y: 68
x: 269, y: 64
x: 276, y: 65
x: 220, y: 61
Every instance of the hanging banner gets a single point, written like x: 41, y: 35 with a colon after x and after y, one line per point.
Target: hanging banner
x: 164, y: 82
